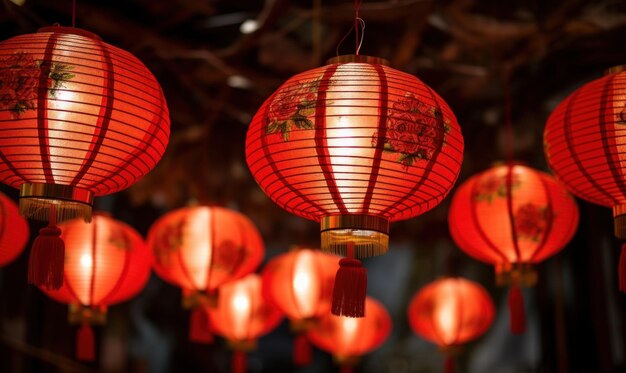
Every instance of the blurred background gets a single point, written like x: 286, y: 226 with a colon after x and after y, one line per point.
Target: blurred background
x: 217, y: 60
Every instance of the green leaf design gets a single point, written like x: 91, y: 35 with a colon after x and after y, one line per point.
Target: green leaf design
x: 59, y: 74
x: 302, y: 123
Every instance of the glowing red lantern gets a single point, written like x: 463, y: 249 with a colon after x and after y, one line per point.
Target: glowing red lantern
x: 584, y: 144
x: 354, y: 145
x: 450, y: 312
x: 513, y: 217
x: 81, y: 118
x: 347, y: 339
x: 106, y: 262
x: 242, y: 316
x: 200, y: 249
x: 13, y: 231
x: 300, y: 284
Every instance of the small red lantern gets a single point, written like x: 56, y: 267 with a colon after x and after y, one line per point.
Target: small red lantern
x: 450, y: 312
x: 354, y: 145
x: 347, y: 339
x: 300, y: 284
x: 13, y: 231
x: 513, y: 217
x: 106, y: 262
x: 242, y: 316
x: 199, y: 249
x: 81, y: 118
x: 584, y: 144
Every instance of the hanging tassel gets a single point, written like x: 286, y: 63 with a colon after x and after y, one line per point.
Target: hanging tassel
x: 347, y: 369
x: 85, y: 343
x: 199, y: 327
x: 239, y: 364
x: 516, y: 311
x: 302, y: 355
x: 350, y: 287
x: 448, y: 364
x: 622, y: 269
x: 45, y: 265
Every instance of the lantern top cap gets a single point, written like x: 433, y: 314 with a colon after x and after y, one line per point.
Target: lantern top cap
x: 511, y: 162
x: 347, y: 58
x: 615, y: 70
x: 69, y: 30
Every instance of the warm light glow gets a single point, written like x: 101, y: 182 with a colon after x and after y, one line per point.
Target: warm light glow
x: 86, y: 261
x: 241, y: 304
x: 446, y: 313
x: 306, y: 289
x: 241, y: 309
x: 249, y: 26
x: 198, y: 257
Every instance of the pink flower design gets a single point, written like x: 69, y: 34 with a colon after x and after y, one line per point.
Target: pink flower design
x: 292, y: 107
x: 228, y: 255
x: 531, y: 221
x: 494, y: 186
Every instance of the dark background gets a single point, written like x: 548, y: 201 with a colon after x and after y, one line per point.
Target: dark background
x: 460, y: 48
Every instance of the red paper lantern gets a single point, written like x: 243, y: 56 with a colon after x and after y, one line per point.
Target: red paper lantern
x: 300, y: 284
x: 106, y: 262
x: 242, y: 316
x: 200, y: 249
x: 513, y: 217
x: 81, y: 118
x: 584, y: 144
x: 450, y: 312
x: 354, y: 145
x: 13, y: 231
x: 347, y: 339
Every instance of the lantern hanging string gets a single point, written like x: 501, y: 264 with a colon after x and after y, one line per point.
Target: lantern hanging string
x: 508, y: 117
x: 73, y: 13
x: 358, y: 22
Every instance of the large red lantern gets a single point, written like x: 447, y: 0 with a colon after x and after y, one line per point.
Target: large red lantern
x: 450, y: 312
x: 347, y: 339
x: 13, y: 231
x: 242, y: 316
x: 513, y: 217
x: 199, y: 249
x: 354, y: 145
x: 106, y: 262
x: 584, y: 144
x: 300, y: 284
x: 81, y: 118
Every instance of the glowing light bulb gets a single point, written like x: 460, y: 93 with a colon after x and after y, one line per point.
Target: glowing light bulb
x: 241, y: 303
x: 86, y: 261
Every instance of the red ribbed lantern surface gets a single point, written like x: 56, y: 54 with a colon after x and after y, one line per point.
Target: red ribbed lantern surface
x: 584, y: 143
x: 347, y: 339
x: 300, y: 284
x: 107, y: 262
x: 354, y: 145
x: 80, y: 118
x: 450, y: 312
x: 242, y: 316
x: 513, y: 217
x: 201, y: 248
x: 13, y: 231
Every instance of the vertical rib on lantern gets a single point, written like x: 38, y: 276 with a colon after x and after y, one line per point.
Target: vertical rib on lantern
x: 450, y: 312
x: 513, y: 217
x: 355, y: 145
x: 584, y: 142
x: 201, y: 248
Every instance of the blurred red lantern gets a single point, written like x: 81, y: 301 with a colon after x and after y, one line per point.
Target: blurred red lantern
x: 584, y: 144
x: 242, y: 316
x: 354, y: 145
x: 13, y: 231
x: 106, y: 262
x: 347, y: 339
x: 450, y: 312
x: 513, y: 217
x: 300, y: 284
x: 199, y: 249
x: 81, y: 118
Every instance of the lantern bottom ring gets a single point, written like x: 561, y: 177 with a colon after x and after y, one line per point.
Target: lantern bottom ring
x: 36, y: 200
x: 619, y: 217
x: 93, y: 315
x: 355, y: 235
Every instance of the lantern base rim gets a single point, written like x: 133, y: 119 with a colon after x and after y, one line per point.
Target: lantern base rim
x: 366, y: 235
x: 516, y: 274
x: 80, y: 314
x: 194, y: 299
x: 69, y: 202
x: 242, y: 345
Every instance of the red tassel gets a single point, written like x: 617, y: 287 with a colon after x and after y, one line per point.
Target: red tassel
x: 302, y: 355
x: 199, y: 327
x: 347, y: 369
x: 622, y: 269
x: 516, y: 311
x: 449, y: 365
x: 45, y: 266
x: 239, y: 364
x: 350, y: 289
x: 85, y: 343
